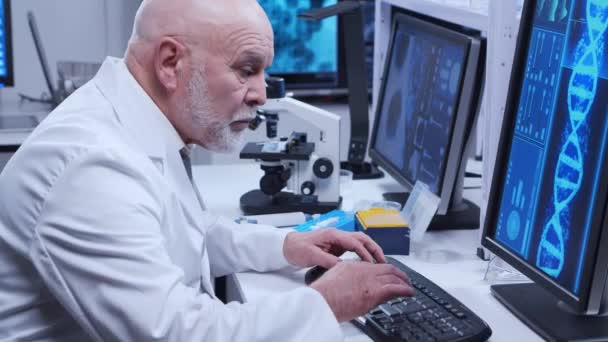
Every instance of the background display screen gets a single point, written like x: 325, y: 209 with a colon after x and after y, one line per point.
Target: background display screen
x: 302, y: 46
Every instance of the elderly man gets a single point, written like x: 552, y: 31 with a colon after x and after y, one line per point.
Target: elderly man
x: 103, y: 236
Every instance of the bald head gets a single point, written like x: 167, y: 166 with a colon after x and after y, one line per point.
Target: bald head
x: 200, y: 22
x: 219, y: 48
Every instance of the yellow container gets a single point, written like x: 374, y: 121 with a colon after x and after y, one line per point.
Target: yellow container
x: 387, y: 228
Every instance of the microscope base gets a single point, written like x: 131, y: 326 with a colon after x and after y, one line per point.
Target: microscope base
x: 256, y: 202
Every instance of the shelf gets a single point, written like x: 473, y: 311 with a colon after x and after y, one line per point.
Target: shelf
x: 469, y: 17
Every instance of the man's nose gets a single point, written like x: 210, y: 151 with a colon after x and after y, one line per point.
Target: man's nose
x: 256, y: 96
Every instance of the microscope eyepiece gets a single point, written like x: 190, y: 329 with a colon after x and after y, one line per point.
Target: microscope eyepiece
x: 275, y: 87
x: 257, y: 121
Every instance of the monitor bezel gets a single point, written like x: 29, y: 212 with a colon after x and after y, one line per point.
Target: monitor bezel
x: 594, y: 274
x: 9, y: 79
x: 460, y: 123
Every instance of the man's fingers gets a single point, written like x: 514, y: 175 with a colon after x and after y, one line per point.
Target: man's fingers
x: 390, y: 291
x: 391, y: 269
x: 372, y: 247
x: 390, y: 279
x: 358, y: 247
x: 349, y: 242
x: 325, y: 259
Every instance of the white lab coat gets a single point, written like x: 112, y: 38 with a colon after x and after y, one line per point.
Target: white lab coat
x: 102, y: 236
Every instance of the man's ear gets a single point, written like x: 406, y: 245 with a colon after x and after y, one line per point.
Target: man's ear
x: 169, y: 62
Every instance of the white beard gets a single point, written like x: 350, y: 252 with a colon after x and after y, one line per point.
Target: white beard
x: 218, y: 135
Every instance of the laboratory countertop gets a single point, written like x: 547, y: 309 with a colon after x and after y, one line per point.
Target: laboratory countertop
x: 17, y: 120
x: 447, y: 258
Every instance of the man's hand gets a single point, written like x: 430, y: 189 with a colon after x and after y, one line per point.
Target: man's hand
x: 323, y: 248
x: 353, y: 288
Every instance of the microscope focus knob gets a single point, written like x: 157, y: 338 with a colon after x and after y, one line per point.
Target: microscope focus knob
x: 308, y: 188
x: 272, y: 184
x: 274, y: 179
x: 323, y: 168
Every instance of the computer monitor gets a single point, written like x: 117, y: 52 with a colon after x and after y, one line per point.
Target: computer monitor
x: 306, y: 52
x: 428, y: 103
x: 6, y: 46
x: 547, y: 209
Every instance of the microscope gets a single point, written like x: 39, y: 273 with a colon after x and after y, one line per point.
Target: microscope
x: 300, y: 173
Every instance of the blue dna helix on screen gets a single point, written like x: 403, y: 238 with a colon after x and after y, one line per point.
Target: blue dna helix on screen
x: 582, y: 91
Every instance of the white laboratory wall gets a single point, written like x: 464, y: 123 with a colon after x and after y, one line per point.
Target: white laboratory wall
x: 75, y: 30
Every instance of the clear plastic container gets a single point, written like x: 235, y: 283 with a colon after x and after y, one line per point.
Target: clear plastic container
x: 498, y: 271
x: 368, y: 204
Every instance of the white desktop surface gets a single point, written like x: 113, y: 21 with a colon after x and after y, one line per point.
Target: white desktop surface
x: 450, y: 259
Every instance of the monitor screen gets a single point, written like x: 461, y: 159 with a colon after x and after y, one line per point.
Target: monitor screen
x: 419, y: 100
x: 306, y: 51
x: 6, y: 72
x: 548, y: 197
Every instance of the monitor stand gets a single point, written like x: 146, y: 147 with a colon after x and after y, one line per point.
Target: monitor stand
x: 543, y: 313
x: 462, y: 215
x: 351, y: 15
x: 363, y: 170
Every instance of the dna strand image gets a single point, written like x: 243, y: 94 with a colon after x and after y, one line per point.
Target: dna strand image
x: 569, y: 171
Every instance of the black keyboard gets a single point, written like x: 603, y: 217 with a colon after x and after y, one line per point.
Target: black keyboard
x: 431, y: 315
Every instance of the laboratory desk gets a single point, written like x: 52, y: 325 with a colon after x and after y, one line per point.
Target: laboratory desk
x: 17, y: 120
x: 446, y: 258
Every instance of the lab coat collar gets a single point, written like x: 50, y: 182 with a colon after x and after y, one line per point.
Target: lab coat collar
x: 150, y: 128
x: 146, y: 123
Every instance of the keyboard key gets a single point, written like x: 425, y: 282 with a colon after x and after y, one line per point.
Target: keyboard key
x: 415, y: 318
x: 375, y: 311
x: 389, y: 310
x: 395, y: 301
x: 405, y: 335
x: 460, y: 314
x: 442, y: 314
x: 409, y: 308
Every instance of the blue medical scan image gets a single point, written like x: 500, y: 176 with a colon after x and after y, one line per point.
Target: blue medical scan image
x: 562, y: 115
x: 553, y: 10
x: 302, y: 46
x: 419, y: 105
